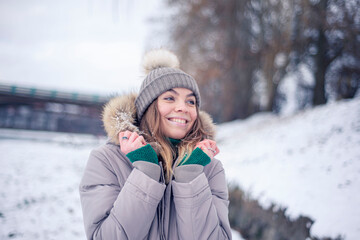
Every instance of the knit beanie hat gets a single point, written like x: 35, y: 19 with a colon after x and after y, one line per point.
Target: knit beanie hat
x: 163, y: 74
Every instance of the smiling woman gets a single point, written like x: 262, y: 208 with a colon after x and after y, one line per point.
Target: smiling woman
x: 177, y: 112
x: 157, y: 177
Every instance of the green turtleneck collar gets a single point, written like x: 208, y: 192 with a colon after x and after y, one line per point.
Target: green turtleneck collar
x: 174, y: 141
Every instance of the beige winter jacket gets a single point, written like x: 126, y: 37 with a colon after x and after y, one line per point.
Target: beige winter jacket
x: 120, y: 201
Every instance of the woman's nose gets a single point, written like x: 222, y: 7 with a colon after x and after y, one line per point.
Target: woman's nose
x: 180, y: 107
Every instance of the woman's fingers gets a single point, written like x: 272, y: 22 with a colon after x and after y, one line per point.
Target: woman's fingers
x: 139, y: 142
x: 137, y: 139
x: 142, y: 140
x: 211, y: 143
x: 124, y: 136
x: 133, y: 136
x: 214, y: 147
x: 217, y: 150
x: 130, y: 141
x: 209, y: 147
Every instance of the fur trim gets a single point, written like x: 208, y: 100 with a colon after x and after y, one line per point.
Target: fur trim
x: 159, y: 58
x: 119, y: 115
x: 208, y: 125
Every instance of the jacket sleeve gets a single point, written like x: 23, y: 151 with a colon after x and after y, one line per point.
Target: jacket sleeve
x: 202, y: 206
x: 115, y: 210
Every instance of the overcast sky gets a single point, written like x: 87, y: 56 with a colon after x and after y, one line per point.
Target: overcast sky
x: 92, y: 46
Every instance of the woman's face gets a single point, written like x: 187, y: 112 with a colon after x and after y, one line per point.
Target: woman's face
x: 177, y: 108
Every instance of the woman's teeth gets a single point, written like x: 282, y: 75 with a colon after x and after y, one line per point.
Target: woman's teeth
x: 183, y: 121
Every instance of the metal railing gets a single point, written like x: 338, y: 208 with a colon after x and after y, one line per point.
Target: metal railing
x: 13, y: 90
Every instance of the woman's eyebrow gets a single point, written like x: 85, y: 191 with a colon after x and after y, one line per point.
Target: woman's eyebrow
x: 175, y: 92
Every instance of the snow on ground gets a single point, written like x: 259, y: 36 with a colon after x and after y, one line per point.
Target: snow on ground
x: 39, y: 177
x: 309, y: 163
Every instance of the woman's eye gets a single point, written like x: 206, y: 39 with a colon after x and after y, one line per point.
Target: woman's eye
x: 191, y: 102
x: 168, y: 98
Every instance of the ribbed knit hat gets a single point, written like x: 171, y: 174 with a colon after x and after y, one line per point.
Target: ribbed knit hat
x: 163, y: 74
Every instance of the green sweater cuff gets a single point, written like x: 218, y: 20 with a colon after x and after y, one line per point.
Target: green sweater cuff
x: 197, y: 157
x: 145, y: 153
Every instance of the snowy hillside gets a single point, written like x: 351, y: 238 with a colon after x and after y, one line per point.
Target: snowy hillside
x: 309, y: 162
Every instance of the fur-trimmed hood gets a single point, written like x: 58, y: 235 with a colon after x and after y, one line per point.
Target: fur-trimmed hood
x: 119, y: 115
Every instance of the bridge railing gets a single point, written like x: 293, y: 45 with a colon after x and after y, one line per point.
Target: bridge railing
x: 13, y: 90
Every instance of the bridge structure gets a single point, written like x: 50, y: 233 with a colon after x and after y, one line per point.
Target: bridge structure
x: 50, y: 110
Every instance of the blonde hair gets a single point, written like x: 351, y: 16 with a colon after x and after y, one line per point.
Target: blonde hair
x: 167, y: 152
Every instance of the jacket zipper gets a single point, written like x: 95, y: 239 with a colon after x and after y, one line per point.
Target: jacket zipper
x: 161, y: 207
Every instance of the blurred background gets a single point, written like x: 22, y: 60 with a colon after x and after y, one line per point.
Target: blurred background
x: 280, y: 78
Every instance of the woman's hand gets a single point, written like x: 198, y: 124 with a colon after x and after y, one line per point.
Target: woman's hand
x: 209, y: 147
x: 130, y: 141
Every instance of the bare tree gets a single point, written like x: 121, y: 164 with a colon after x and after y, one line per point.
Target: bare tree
x: 239, y: 51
